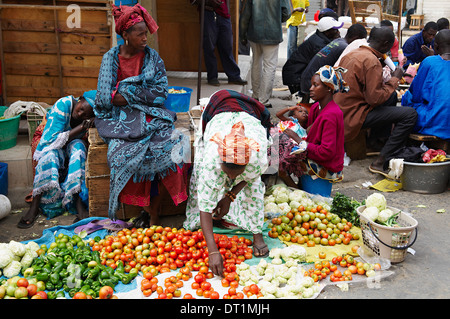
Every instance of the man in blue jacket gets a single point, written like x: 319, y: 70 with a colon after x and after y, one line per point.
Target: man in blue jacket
x: 261, y: 24
x: 420, y: 45
x: 327, y: 31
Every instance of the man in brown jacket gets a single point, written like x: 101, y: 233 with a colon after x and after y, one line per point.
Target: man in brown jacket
x: 371, y: 102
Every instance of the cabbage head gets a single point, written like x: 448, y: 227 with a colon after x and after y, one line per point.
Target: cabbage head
x: 371, y: 213
x: 376, y: 200
x: 297, y: 195
x: 282, y: 198
x: 294, y: 204
x: 269, y: 199
x: 17, y: 248
x: 279, y: 190
x: 272, y: 208
x: 284, y: 208
x: 6, y: 256
x: 384, y: 215
x: 13, y: 269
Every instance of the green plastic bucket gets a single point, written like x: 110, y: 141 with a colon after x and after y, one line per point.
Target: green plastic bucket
x: 8, y: 130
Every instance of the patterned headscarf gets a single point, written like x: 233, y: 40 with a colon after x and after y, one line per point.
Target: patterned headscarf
x: 125, y: 17
x: 235, y: 147
x: 332, y: 77
x: 89, y: 96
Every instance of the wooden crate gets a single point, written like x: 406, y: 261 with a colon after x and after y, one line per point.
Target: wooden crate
x: 98, y: 174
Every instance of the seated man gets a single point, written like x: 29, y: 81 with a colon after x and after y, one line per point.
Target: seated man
x: 420, y: 45
x: 442, y: 23
x: 371, y: 101
x: 327, y: 31
x: 329, y: 54
x: 427, y: 93
x: 393, y: 53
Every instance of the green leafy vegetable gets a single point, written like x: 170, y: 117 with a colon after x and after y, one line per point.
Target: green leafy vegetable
x: 345, y: 207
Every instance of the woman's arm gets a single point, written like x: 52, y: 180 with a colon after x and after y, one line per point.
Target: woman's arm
x: 151, y: 89
x: 223, y: 206
x: 214, y: 257
x: 80, y: 129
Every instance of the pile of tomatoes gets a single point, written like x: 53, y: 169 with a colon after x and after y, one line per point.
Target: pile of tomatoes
x: 323, y: 268
x: 313, y: 227
x: 161, y: 249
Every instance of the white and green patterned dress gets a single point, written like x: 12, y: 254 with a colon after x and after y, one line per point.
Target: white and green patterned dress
x: 209, y: 183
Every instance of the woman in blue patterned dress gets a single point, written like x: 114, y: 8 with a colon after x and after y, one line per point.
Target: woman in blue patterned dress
x: 59, y: 181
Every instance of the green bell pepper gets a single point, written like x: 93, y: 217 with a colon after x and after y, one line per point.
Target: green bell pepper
x: 104, y: 274
x: 42, y: 276
x: 49, y: 285
x: 51, y: 295
x: 54, y: 278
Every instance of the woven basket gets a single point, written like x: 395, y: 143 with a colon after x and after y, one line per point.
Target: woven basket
x: 388, y: 242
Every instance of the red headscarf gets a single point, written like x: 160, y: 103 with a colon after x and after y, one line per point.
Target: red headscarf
x: 235, y: 147
x: 125, y: 17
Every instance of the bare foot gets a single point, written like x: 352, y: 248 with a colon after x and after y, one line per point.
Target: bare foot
x: 82, y: 212
x: 32, y: 214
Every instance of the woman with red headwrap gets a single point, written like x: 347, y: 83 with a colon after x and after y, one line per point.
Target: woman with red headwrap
x: 226, y: 185
x: 144, y: 150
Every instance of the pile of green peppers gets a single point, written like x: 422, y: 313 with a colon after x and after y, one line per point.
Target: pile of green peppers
x: 70, y: 270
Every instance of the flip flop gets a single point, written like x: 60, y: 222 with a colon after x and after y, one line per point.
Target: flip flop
x: 89, y: 227
x: 259, y: 249
x: 24, y: 225
x: 115, y: 225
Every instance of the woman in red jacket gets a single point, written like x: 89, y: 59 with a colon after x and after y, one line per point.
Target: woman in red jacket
x: 324, y: 144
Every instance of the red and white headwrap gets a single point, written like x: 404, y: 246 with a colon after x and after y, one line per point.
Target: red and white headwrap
x: 125, y: 17
x: 235, y: 148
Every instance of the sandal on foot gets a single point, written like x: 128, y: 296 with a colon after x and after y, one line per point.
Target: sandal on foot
x: 143, y: 221
x: 25, y: 224
x: 259, y: 249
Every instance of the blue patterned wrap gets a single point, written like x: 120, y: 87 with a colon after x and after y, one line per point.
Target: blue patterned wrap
x: 136, y: 148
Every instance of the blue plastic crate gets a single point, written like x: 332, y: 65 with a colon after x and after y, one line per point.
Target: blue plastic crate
x: 4, y: 179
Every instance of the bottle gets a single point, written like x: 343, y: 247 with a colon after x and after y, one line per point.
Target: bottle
x: 401, y: 57
x: 388, y: 62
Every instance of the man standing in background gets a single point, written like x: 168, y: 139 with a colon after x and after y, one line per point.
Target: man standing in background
x: 261, y: 24
x: 218, y: 33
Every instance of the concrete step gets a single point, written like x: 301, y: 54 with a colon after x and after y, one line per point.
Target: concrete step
x: 20, y: 170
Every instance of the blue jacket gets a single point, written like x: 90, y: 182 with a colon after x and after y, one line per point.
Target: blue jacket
x: 261, y: 20
x: 412, y: 49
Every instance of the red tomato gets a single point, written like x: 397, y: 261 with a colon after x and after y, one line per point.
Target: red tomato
x: 42, y: 294
x: 199, y: 278
x: 22, y: 282
x: 79, y: 295
x: 214, y: 295
x: 32, y: 290
x: 205, y: 285
x: 106, y: 292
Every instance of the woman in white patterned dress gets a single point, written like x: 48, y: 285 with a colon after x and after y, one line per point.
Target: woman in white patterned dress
x: 226, y: 180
